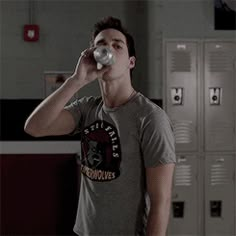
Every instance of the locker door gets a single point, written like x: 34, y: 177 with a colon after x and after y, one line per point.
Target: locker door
x: 184, y: 208
x: 181, y: 92
x: 219, y: 195
x: 219, y: 76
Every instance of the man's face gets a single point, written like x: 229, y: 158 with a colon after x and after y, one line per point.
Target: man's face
x: 116, y: 41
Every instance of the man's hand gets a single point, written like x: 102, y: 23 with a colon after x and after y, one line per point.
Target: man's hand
x: 86, y: 69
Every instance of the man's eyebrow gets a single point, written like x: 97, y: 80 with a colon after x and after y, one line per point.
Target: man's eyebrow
x: 119, y: 41
x: 116, y: 40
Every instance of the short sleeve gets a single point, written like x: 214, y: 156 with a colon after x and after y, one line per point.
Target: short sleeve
x: 157, y: 139
x: 78, y: 109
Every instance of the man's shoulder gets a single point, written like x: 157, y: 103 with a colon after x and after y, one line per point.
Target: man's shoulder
x: 148, y: 112
x: 147, y: 106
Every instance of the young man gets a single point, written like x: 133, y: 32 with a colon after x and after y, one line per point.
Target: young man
x: 127, y: 143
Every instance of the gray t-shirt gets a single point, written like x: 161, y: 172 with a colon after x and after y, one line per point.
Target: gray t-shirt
x: 116, y: 146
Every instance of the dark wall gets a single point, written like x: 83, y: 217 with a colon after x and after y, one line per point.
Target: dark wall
x: 14, y: 113
x: 39, y: 194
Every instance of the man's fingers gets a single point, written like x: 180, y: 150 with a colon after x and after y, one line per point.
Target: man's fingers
x: 103, y: 70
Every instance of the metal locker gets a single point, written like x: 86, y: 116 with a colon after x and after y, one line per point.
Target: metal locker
x: 180, y: 92
x: 219, y: 195
x: 220, y: 106
x: 184, y: 206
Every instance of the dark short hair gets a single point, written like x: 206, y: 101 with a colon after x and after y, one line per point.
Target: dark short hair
x: 114, y: 23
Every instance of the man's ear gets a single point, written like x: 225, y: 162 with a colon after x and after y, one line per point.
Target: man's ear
x: 132, y: 61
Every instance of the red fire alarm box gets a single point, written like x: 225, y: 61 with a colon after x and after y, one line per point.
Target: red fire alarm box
x: 31, y: 33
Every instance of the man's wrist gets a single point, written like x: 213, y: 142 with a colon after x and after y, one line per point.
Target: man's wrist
x: 74, y: 83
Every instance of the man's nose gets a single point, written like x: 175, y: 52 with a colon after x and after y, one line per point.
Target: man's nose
x: 111, y: 47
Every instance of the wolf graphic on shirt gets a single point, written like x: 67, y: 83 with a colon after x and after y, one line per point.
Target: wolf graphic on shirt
x: 95, y: 154
x: 101, y: 152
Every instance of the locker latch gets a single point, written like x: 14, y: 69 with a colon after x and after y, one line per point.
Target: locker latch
x: 215, y: 96
x: 178, y: 209
x: 215, y: 208
x: 177, y: 96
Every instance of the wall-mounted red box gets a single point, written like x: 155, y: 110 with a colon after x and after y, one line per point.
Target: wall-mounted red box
x: 31, y: 33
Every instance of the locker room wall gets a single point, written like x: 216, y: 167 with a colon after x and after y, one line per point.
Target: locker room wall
x: 65, y: 30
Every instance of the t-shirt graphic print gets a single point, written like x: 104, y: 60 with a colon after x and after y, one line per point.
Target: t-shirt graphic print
x: 101, y: 152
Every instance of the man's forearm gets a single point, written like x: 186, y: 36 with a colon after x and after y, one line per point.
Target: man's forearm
x: 48, y: 110
x: 158, y: 219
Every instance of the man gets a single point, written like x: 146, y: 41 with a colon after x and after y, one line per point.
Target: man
x: 127, y: 143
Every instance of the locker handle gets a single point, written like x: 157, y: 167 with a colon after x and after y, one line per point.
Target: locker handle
x: 178, y: 209
x: 215, y: 208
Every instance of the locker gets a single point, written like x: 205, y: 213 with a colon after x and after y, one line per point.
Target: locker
x: 181, y: 92
x: 200, y: 99
x: 219, y: 80
x: 219, y: 195
x: 184, y: 207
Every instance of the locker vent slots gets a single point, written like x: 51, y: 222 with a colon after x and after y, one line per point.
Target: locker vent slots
x: 219, y: 175
x: 183, y: 175
x: 220, y: 61
x: 181, y: 61
x: 183, y: 131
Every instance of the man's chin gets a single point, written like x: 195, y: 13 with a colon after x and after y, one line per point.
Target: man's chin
x: 108, y: 76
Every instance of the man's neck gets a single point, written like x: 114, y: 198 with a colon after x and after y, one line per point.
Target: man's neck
x: 115, y: 93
